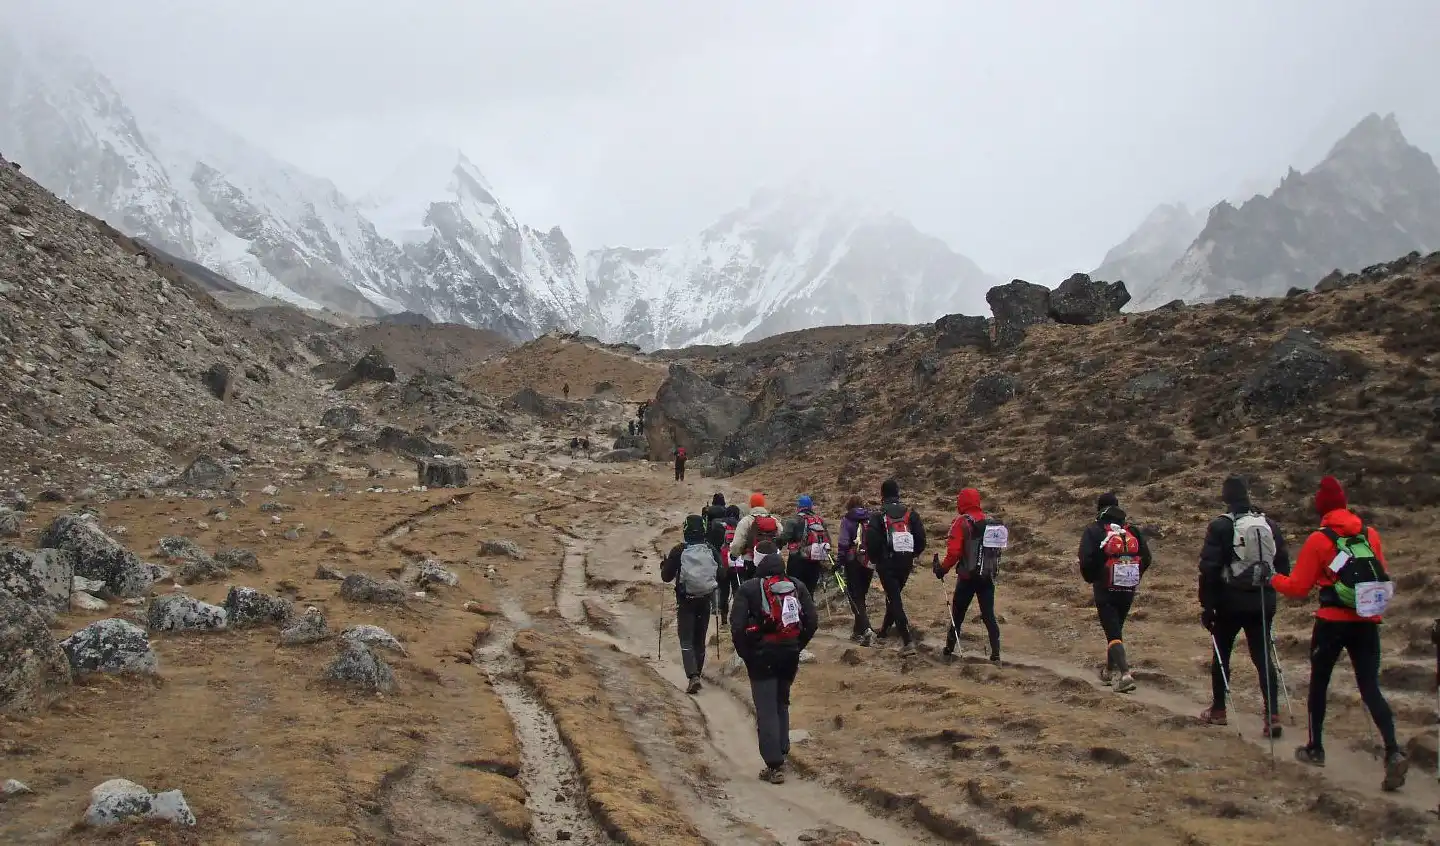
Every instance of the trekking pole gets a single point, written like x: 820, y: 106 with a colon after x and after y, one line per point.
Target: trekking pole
x: 1280, y: 677
x: 1269, y: 688
x: 1221, y: 664
x: 1435, y: 639
x: 660, y: 625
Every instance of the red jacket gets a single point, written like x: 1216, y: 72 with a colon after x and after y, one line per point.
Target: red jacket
x: 967, y: 503
x: 1312, y: 567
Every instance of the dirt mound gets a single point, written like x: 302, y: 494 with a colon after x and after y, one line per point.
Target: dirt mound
x: 549, y: 363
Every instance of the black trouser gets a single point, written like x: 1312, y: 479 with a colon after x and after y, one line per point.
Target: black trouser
x: 805, y: 571
x: 1257, y: 627
x: 893, y: 580
x: 770, y: 679
x: 965, y: 591
x: 729, y: 581
x: 679, y: 471
x: 692, y: 618
x: 1362, y: 641
x: 1113, y: 606
x: 857, y: 584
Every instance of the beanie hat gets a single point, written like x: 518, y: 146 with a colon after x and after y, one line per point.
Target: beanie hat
x: 694, y: 528
x: 805, y: 501
x: 1233, y: 490
x: 1107, y: 500
x: 1330, y: 497
x: 889, y: 489
x: 757, y: 500
x: 766, y: 547
x: 717, y: 499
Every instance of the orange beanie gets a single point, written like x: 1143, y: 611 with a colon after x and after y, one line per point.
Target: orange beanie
x: 757, y: 500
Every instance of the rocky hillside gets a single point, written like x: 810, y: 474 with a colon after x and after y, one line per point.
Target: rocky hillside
x: 1372, y: 198
x: 1153, y: 248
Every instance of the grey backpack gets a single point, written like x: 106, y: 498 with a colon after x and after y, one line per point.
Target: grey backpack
x: 1253, y: 560
x: 698, y: 575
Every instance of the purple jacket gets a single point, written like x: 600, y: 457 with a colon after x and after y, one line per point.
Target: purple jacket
x: 851, y: 523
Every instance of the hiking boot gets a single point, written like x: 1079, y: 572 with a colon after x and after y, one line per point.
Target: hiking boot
x: 773, y: 775
x: 1106, y: 677
x: 868, y: 638
x: 694, y: 686
x: 948, y: 651
x: 1312, y: 756
x: 1214, y: 717
x: 1125, y: 683
x: 882, y: 635
x: 1271, y: 727
x: 994, y: 657
x: 1396, y: 766
x: 907, y: 649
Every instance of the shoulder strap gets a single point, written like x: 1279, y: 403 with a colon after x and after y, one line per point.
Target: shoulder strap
x: 1330, y: 533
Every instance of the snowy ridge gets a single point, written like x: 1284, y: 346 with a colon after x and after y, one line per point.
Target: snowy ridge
x: 1153, y: 248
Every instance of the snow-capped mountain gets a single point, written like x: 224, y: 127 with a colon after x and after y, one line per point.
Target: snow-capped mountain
x: 791, y: 259
x: 1373, y: 197
x: 468, y: 259
x: 160, y: 170
x: 1153, y: 248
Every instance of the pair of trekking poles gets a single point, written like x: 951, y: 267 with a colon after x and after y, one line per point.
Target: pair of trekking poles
x: 1272, y: 662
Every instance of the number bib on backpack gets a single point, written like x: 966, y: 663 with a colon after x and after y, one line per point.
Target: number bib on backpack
x: 1372, y: 598
x: 817, y: 552
x: 1125, y: 574
x: 790, y: 611
x: 995, y: 537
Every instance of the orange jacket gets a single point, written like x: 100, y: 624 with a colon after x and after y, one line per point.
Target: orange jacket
x: 1312, y: 567
x: 967, y: 503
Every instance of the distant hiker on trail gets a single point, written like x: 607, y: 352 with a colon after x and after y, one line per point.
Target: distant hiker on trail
x: 772, y: 621
x: 807, y: 544
x: 757, y: 526
x: 1345, y: 560
x: 1113, y: 559
x: 565, y: 389
x: 973, y: 552
x: 693, y: 566
x: 632, y: 428
x: 1243, y: 549
x: 857, y: 567
x: 733, y: 568
x: 894, y: 537
x: 679, y: 463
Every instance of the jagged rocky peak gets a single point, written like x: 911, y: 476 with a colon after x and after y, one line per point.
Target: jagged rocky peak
x: 1154, y: 246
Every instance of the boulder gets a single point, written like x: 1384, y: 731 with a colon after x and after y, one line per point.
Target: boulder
x: 205, y: 473
x: 926, y: 369
x: 372, y: 367
x: 33, y: 667
x: 429, y: 572
x: 119, y: 801
x: 11, y: 787
x: 442, y: 472
x: 191, y: 562
x: 358, y: 587
x: 373, y: 637
x: 98, y: 556
x: 357, y: 666
x: 954, y: 331
x: 634, y: 442
x: 341, y: 417
x: 85, y: 601
x: 328, y: 573
x: 177, y: 612
x: 528, y: 401
x: 1297, y: 370
x: 247, y: 607
x: 992, y: 391
x: 1017, y: 305
x: 701, y: 414
x: 310, y: 628
x: 1082, y: 301
x: 220, y: 382
x: 617, y: 456
x: 238, y: 559
x: 510, y: 549
x: 394, y: 439
x: 110, y: 646
x: 9, y: 523
x: 44, y: 577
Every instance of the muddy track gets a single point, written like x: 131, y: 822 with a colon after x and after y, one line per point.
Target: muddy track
x: 408, y: 523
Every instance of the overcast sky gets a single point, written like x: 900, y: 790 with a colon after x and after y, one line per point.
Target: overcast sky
x: 1029, y: 135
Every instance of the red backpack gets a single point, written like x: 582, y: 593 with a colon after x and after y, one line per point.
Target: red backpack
x: 813, y: 540
x: 1121, y: 549
x: 680, y: 453
x: 765, y: 528
x: 729, y: 538
x: 781, y: 623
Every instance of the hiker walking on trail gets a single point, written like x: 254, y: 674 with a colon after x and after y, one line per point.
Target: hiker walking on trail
x: 679, y: 463
x: 1243, y: 549
x: 773, y: 620
x: 632, y: 428
x: 753, y: 529
x: 1113, y: 560
x: 721, y: 535
x: 894, y: 537
x: 973, y: 552
x: 694, y: 567
x: 565, y: 389
x: 807, y: 544
x: 856, y: 566
x: 1345, y: 560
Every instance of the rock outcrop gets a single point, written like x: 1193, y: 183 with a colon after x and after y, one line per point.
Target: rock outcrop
x: 692, y: 412
x: 1297, y: 370
x: 1083, y: 301
x: 33, y: 668
x: 1017, y: 305
x: 44, y: 577
x: 110, y: 646
x: 98, y: 556
x: 372, y: 367
x: 442, y: 472
x: 177, y: 612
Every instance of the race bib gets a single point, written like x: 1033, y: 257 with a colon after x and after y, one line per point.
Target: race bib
x: 1126, y: 574
x: 737, y: 564
x: 818, y: 552
x: 995, y: 537
x: 902, y: 542
x: 1372, y: 598
x: 790, y: 611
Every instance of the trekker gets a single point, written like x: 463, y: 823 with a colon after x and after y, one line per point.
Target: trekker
x: 679, y: 463
x: 807, y: 544
x: 858, y: 569
x: 773, y: 619
x: 565, y: 389
x: 732, y: 569
x: 1345, y: 560
x: 975, y: 564
x: 894, y: 537
x: 694, y: 567
x: 632, y: 428
x: 1113, y: 560
x: 757, y: 526
x: 1243, y: 549
x: 713, y: 512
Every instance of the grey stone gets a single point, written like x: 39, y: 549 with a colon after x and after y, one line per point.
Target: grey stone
x: 98, y: 556
x: 206, y: 473
x: 177, y: 612
x: 507, y: 548
x: 118, y: 801
x: 193, y: 562
x: 358, y: 587
x: 394, y: 439
x: 1017, y: 305
x: 373, y: 637
x: 1297, y: 370
x: 1083, y: 301
x: 82, y: 601
x: 442, y: 472
x: 9, y: 523
x: 429, y: 572
x: 247, y: 607
x: 701, y: 414
x: 992, y: 391
x: 220, y: 381
x: 80, y: 583
x: 954, y: 331
x: 372, y: 367
x: 357, y: 666
x: 239, y: 559
x: 310, y: 628
x: 110, y: 646
x: 340, y: 417
x: 33, y: 668
x: 328, y: 573
x: 528, y: 401
x: 11, y: 787
x: 43, y: 577
x: 619, y: 456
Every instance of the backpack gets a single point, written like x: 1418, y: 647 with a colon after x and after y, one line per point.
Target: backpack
x: 679, y: 453
x: 897, y: 534
x: 697, y: 571
x: 1121, y: 549
x: 858, y: 547
x: 766, y: 527
x: 984, y: 541
x: 781, y: 609
x: 725, y: 549
x: 1361, y: 583
x: 812, y: 545
x: 1253, y: 561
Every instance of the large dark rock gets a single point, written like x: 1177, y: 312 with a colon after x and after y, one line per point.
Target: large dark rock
x: 247, y: 607
x: 398, y: 440
x: 529, y: 401
x: 442, y: 472
x: 340, y: 417
x: 205, y: 473
x: 1017, y: 305
x: 372, y: 367
x: 98, y: 556
x: 358, y: 667
x: 958, y: 330
x: 110, y: 646
x: 992, y: 391
x: 783, y: 429
x: 42, y: 578
x: 33, y: 668
x: 1297, y: 370
x: 699, y: 414
x: 176, y: 612
x: 220, y: 381
x: 361, y: 588
x: 1083, y: 301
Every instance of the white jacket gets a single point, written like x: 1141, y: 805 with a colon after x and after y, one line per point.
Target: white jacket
x: 744, y: 539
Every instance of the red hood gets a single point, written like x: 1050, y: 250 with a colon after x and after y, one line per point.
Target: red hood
x: 1343, y: 521
x: 967, y: 502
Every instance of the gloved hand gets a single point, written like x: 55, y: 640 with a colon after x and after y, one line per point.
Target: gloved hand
x: 935, y: 568
x: 1207, y: 619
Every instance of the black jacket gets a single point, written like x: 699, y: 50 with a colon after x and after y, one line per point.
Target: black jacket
x: 714, y: 526
x: 670, y: 569
x: 1216, y: 555
x: 749, y: 609
x: 1092, y: 560
x: 878, y: 546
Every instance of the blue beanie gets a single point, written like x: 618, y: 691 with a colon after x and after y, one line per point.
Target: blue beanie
x: 805, y: 501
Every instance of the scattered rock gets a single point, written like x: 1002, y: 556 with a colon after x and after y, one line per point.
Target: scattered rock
x: 194, y: 563
x: 328, y: 573
x: 33, y: 667
x: 246, y: 607
x: 9, y: 523
x: 507, y: 548
x: 1296, y: 370
x: 629, y: 442
x: 80, y: 583
x: 341, y: 417
x: 310, y: 628
x: 1149, y: 384
x: 205, y: 473
x: 98, y: 556
x: 11, y: 787
x: 82, y: 601
x: 954, y: 331
x: 927, y: 367
x: 528, y: 401
x: 118, y: 801
x: 1082, y: 301
x: 429, y: 572
x: 394, y: 439
x: 180, y: 613
x: 220, y: 381
x: 358, y: 587
x: 110, y: 646
x: 618, y: 456
x: 357, y: 666
x: 807, y: 657
x: 374, y: 637
x: 372, y: 367
x: 1017, y: 305
x: 239, y: 559
x: 442, y: 473
x: 992, y: 391
x: 44, y: 577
